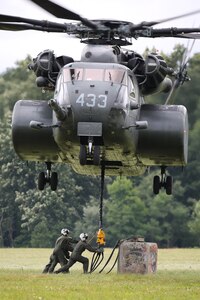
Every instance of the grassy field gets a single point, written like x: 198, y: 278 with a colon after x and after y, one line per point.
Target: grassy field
x: 21, y: 278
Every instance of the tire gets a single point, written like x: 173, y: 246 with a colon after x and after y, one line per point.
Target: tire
x: 54, y: 181
x: 168, y: 185
x: 83, y: 155
x: 41, y: 181
x: 156, y: 185
x: 96, y: 155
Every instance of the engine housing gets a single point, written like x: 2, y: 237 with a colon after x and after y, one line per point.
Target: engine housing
x: 165, y: 141
x: 33, y: 144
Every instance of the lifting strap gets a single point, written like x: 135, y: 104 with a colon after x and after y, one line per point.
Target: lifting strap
x: 108, y: 260
x: 97, y: 258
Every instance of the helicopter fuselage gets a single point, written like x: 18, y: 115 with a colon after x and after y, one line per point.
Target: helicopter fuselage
x: 98, y: 117
x: 101, y: 101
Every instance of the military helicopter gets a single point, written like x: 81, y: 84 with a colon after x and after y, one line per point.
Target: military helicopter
x: 98, y: 118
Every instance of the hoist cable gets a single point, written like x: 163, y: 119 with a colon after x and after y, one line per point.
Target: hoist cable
x: 98, y: 257
x: 101, y: 197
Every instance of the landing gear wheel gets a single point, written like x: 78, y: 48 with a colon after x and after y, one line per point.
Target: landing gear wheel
x: 168, y: 185
x: 41, y: 181
x: 96, y: 155
x: 54, y: 181
x: 156, y: 185
x: 83, y: 155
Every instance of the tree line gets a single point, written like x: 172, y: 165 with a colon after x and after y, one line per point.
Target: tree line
x: 32, y: 218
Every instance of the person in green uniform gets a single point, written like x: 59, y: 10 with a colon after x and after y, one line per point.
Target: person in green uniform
x: 61, y: 251
x: 76, y: 255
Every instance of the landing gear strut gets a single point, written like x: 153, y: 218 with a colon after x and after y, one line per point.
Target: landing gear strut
x: 162, y: 181
x: 48, y: 177
x: 91, y: 151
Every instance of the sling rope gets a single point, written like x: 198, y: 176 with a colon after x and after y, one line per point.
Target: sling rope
x: 108, y: 260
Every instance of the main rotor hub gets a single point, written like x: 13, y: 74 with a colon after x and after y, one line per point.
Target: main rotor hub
x: 108, y: 32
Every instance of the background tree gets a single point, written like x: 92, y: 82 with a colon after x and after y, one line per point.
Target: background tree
x: 125, y: 211
x: 194, y: 223
x: 133, y: 210
x: 9, y: 212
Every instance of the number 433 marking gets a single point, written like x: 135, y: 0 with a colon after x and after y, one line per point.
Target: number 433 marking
x: 92, y: 100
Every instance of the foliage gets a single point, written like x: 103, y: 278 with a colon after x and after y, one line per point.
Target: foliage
x: 9, y: 212
x: 194, y: 223
x: 125, y: 210
x: 19, y: 83
x: 132, y: 211
x: 89, y: 222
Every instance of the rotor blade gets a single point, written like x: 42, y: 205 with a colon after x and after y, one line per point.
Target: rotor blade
x: 175, y: 17
x: 152, y: 23
x: 181, y: 75
x: 19, y: 27
x: 170, y: 32
x: 186, y: 54
x: 14, y: 27
x: 195, y: 36
x: 15, y: 19
x: 63, y: 13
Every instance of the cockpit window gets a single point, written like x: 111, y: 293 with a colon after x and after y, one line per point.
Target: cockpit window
x: 111, y: 75
x: 94, y: 74
x: 72, y: 74
x: 115, y: 76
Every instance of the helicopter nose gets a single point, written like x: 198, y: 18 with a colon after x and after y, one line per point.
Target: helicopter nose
x: 92, y: 102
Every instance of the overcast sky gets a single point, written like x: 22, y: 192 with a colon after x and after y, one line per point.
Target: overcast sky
x: 16, y: 45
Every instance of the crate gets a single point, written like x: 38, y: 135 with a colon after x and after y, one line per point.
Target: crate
x: 137, y: 257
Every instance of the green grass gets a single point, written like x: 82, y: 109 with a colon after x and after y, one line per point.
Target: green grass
x: 178, y: 277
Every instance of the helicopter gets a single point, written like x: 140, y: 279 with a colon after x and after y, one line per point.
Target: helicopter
x: 98, y: 118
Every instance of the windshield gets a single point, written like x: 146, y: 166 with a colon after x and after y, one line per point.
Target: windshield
x: 115, y: 76
x: 111, y: 75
